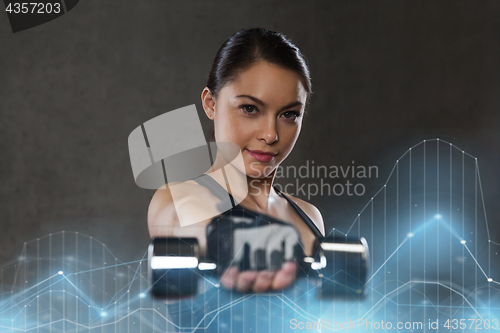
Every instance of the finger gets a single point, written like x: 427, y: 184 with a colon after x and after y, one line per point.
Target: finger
x: 260, y: 239
x: 245, y: 280
x: 263, y: 281
x: 228, y: 279
x: 260, y: 262
x: 285, y: 276
x: 292, y: 238
x: 276, y: 258
x: 274, y: 252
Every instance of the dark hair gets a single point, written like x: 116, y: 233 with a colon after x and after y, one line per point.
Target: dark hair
x: 246, y: 47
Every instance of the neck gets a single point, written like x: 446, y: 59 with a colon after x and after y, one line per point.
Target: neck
x: 260, y: 192
x: 256, y: 193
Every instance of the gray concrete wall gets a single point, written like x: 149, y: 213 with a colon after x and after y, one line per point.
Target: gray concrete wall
x: 385, y: 74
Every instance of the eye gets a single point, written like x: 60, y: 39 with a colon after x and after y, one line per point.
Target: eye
x: 248, y: 108
x: 293, y: 115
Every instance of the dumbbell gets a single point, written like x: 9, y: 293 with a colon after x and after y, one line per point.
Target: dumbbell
x: 338, y: 264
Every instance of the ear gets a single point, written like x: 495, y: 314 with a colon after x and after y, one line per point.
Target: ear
x: 208, y: 101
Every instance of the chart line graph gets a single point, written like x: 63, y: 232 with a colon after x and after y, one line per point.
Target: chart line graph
x: 432, y: 257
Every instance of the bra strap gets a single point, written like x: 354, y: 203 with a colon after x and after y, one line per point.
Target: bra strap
x: 301, y: 213
x: 215, y: 188
x: 219, y: 192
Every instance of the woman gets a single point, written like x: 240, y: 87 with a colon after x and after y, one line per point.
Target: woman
x: 256, y: 95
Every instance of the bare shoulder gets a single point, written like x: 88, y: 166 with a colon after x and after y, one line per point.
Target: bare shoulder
x: 161, y: 213
x: 176, y: 209
x: 164, y: 201
x: 311, y: 211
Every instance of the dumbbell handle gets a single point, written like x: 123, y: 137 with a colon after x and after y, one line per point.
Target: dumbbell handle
x: 183, y: 253
x: 205, y: 264
x: 331, y: 256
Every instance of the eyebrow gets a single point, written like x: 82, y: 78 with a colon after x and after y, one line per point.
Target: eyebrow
x: 258, y: 101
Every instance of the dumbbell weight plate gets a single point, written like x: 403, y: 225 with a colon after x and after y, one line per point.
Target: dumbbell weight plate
x: 173, y: 267
x: 345, y: 271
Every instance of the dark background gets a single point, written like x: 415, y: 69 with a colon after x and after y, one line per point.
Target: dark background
x: 386, y: 75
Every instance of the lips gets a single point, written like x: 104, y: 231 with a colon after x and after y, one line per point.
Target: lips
x: 262, y: 156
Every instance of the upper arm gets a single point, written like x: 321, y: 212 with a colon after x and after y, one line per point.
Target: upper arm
x: 191, y: 204
x: 162, y: 217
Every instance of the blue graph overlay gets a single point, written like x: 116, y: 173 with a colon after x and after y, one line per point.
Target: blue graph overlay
x: 434, y: 267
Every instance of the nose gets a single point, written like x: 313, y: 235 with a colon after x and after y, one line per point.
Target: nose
x: 268, y: 131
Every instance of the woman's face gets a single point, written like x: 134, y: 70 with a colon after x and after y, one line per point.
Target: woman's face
x: 261, y: 111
